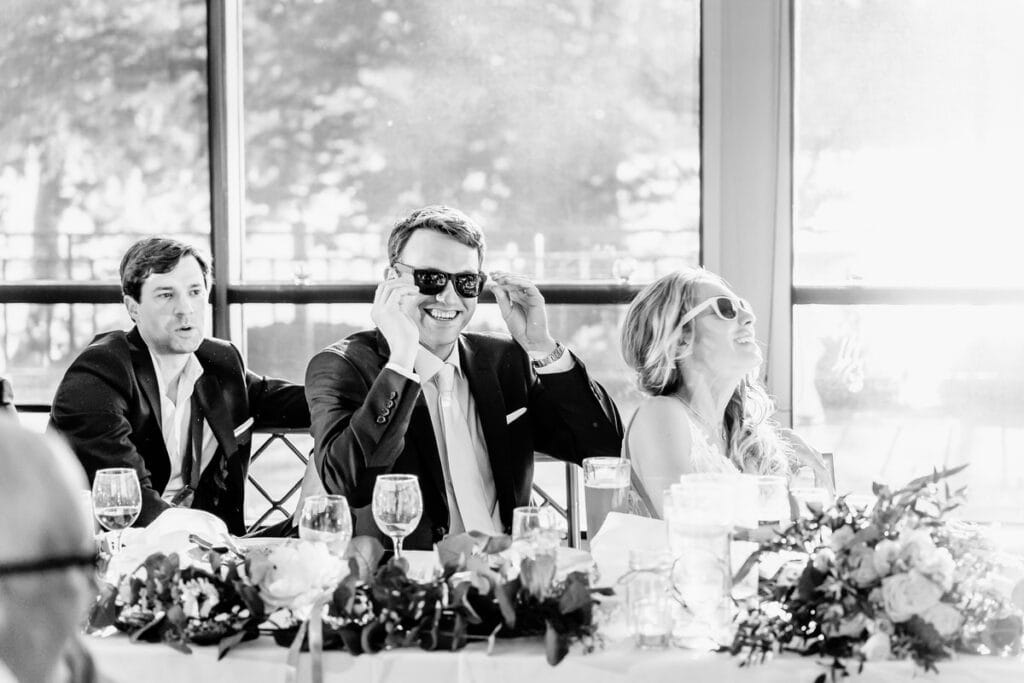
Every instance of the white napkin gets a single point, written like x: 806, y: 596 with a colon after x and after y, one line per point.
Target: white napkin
x: 619, y: 534
x: 167, y: 534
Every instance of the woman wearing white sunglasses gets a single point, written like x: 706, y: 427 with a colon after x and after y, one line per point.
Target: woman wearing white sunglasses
x: 692, y: 344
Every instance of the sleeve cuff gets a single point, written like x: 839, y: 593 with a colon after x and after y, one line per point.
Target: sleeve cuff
x: 408, y: 374
x: 563, y: 364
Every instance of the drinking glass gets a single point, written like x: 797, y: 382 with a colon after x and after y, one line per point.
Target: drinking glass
x: 326, y: 518
x: 772, y: 501
x: 648, y: 597
x: 700, y: 522
x: 533, y: 530
x: 605, y: 488
x: 397, y: 506
x: 116, y: 501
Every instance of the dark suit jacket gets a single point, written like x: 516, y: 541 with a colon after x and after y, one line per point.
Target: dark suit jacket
x: 369, y: 421
x: 7, y: 399
x: 108, y: 407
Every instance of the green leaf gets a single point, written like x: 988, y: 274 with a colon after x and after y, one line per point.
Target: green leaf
x: 575, y: 595
x: 505, y: 593
x: 490, y: 545
x: 103, y: 612
x: 453, y: 550
x: 748, y: 565
x: 228, y: 642
x: 556, y: 645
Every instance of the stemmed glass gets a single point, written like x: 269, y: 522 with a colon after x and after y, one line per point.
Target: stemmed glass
x: 326, y: 518
x: 116, y: 501
x: 397, y: 506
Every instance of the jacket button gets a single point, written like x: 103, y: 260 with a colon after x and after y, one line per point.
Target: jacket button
x: 394, y: 394
x: 439, y: 532
x: 384, y: 412
x: 381, y: 420
x: 390, y: 404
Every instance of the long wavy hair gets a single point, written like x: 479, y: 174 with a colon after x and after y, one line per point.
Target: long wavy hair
x: 654, y: 345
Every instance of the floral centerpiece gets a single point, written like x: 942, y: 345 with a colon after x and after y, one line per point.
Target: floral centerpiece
x: 894, y: 579
x: 180, y: 602
x: 308, y: 598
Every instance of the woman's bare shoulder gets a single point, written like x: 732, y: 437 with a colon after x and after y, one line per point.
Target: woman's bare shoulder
x: 661, y: 419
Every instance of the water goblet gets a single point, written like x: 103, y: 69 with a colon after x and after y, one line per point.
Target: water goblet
x: 397, y: 506
x: 326, y: 518
x: 116, y: 501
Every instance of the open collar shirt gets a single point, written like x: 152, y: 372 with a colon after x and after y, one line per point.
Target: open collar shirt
x: 175, y: 416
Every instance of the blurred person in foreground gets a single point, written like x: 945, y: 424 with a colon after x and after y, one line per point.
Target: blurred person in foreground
x: 7, y: 399
x: 162, y: 398
x: 463, y: 411
x: 691, y: 342
x: 47, y: 559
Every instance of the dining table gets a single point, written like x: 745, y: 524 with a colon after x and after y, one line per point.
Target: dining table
x: 512, y: 661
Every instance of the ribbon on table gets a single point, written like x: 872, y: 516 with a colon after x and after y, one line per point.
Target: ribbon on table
x: 314, y: 626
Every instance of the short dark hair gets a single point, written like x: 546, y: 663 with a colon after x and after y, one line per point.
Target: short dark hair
x: 156, y: 255
x: 443, y: 219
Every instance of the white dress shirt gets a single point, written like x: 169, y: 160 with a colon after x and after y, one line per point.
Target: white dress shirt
x: 426, y: 366
x: 175, y: 416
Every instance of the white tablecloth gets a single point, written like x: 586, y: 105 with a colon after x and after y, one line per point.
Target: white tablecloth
x: 513, y: 661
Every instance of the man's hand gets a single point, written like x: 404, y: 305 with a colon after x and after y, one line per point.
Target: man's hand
x: 522, y: 307
x: 393, y: 310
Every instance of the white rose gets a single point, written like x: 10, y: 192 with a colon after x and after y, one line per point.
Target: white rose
x: 823, y: 559
x: 294, y: 574
x: 886, y: 552
x: 916, y: 546
x: 862, y: 559
x: 841, y: 538
x: 946, y: 619
x: 908, y: 594
x: 939, y: 567
x: 876, y: 647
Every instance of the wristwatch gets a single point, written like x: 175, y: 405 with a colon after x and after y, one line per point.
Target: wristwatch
x: 550, y: 358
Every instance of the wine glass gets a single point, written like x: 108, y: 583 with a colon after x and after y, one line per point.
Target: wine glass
x: 397, y: 506
x: 326, y: 518
x: 116, y: 501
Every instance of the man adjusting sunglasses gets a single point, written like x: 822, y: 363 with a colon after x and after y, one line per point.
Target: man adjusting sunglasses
x: 462, y: 411
x: 432, y: 282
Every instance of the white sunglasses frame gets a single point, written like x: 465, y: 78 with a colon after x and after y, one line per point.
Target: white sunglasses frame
x: 738, y: 303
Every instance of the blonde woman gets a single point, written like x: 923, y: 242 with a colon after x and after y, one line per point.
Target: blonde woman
x: 691, y: 342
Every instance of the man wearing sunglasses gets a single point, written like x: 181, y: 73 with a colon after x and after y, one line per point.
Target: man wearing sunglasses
x: 462, y: 411
x: 47, y: 558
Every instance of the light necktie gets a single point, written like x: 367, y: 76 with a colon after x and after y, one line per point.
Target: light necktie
x: 467, y: 480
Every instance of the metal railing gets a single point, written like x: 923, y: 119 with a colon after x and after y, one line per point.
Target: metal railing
x: 570, y: 512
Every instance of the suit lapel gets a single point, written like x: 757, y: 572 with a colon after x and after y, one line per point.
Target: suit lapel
x: 146, y: 373
x: 211, y: 399
x: 490, y: 407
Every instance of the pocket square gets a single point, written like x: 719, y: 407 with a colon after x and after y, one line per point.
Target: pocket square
x: 515, y: 415
x: 243, y: 428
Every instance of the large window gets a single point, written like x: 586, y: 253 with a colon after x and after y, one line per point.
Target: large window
x: 104, y: 128
x: 908, y: 346
x: 569, y: 130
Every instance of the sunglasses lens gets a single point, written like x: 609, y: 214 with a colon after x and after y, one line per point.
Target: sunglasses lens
x: 430, y: 282
x: 469, y: 284
x: 726, y: 308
